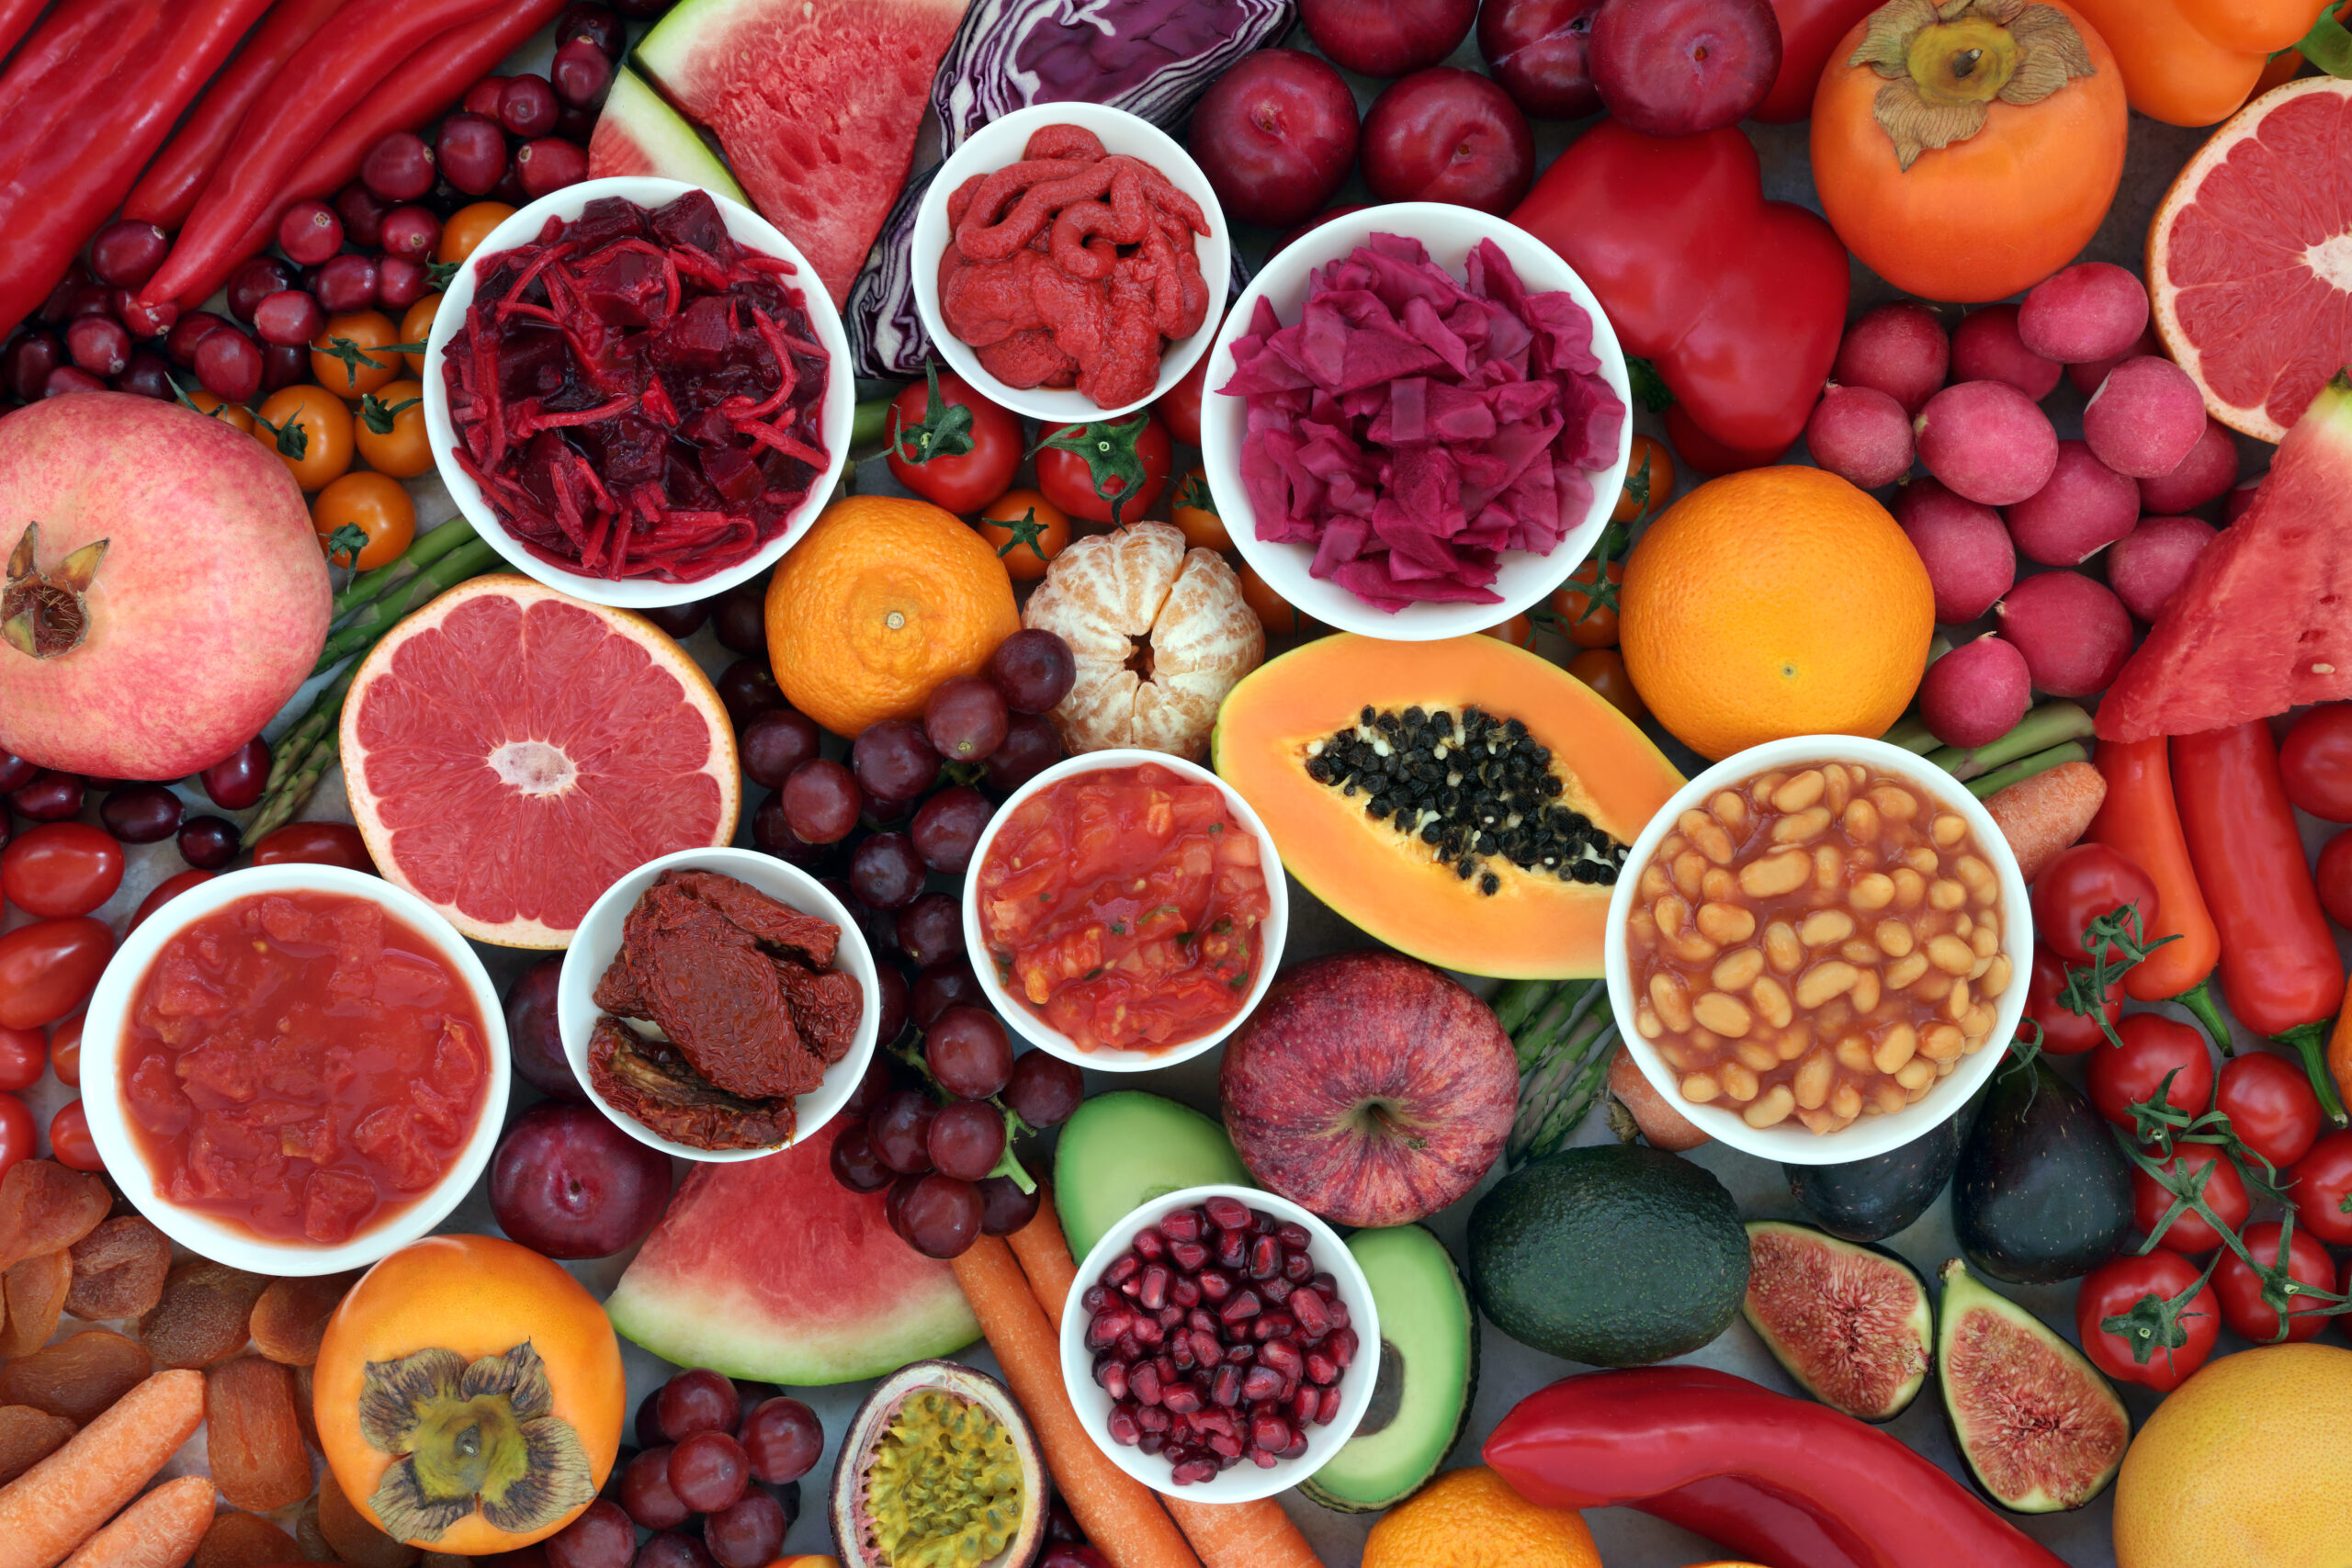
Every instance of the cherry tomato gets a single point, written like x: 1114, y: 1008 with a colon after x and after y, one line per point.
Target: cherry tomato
x: 1026, y: 531
x: 70, y: 1143
x: 1580, y: 620
x: 2270, y: 1105
x: 18, y: 1131
x: 466, y: 230
x: 2189, y: 1233
x: 1195, y: 511
x: 65, y: 1051
x: 2321, y: 1186
x: 2315, y: 762
x: 1519, y: 631
x: 400, y: 448
x: 971, y: 455
x: 1649, y: 481
x: 60, y: 868
x: 2117, y: 1289
x: 1276, y: 613
x: 1178, y: 408
x: 375, y: 505
x: 2334, y: 875
x: 417, y: 326
x: 2064, y: 1033
x: 2153, y: 1045
x: 356, y: 334
x: 23, y: 1053
x: 163, y: 892
x: 235, y: 414
x: 2082, y: 884
x: 50, y: 968
x: 1068, y: 479
x: 1603, y: 669
x: 317, y: 843
x: 2240, y: 1288
x: 323, y: 421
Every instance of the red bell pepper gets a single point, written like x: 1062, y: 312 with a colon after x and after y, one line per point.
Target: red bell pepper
x: 1783, y: 1482
x: 1809, y: 33
x: 1737, y: 302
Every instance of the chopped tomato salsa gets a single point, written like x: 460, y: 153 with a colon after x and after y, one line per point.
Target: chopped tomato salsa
x: 1123, y: 907
x: 303, y: 1064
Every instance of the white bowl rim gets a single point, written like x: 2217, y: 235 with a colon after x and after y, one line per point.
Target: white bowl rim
x: 1274, y: 931
x: 1791, y: 1143
x: 576, y: 1014
x: 997, y: 144
x: 1284, y: 566
x: 748, y: 228
x: 109, y: 1011
x: 1243, y: 1482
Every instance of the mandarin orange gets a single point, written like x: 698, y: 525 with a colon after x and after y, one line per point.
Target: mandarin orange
x: 1471, y: 1519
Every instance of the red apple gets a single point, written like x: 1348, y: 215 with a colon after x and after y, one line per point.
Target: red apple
x: 1371, y: 1089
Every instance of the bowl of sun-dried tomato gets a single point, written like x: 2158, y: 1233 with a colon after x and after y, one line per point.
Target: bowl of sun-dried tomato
x: 638, y: 391
x: 1070, y: 262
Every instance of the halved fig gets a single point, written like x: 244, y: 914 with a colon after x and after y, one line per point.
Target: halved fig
x: 1851, y: 1322
x: 940, y: 1466
x: 2042, y: 1430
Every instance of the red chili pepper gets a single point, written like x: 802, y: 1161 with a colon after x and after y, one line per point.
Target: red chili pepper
x: 166, y: 192
x: 1781, y: 1481
x: 1737, y: 302
x: 2139, y: 819
x: 1809, y: 33
x: 15, y: 19
x: 340, y: 65
x: 59, y: 66
x: 2279, y: 966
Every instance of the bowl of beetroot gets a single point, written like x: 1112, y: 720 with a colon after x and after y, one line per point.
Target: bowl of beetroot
x: 1416, y: 422
x: 1220, y: 1343
x: 639, y: 392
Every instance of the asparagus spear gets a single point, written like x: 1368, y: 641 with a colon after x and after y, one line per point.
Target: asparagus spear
x: 2044, y: 729
x: 471, y: 558
x: 1999, y: 779
x: 1519, y: 1002
x: 428, y: 547
x: 1555, y: 1096
x: 1577, y: 1103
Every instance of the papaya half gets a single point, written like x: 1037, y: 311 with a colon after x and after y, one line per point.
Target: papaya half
x: 1496, y: 844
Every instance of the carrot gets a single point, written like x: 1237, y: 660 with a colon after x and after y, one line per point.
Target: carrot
x: 1045, y: 1256
x: 60, y: 1502
x: 1663, y: 1126
x: 162, y: 1529
x: 1121, y: 1517
x: 2044, y: 814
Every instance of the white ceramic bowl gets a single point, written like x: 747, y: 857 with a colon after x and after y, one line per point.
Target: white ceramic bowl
x: 753, y: 232
x: 599, y: 938
x: 1270, y: 934
x: 102, y: 1037
x: 1791, y: 1142
x: 1000, y: 143
x: 1450, y: 233
x: 1244, y: 1483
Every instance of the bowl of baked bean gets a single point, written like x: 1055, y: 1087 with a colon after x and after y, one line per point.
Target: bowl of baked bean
x: 1819, y: 949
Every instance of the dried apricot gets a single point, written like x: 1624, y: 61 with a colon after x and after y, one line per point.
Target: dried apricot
x: 290, y: 1318
x: 118, y: 1269
x: 243, y: 1540
x: 27, y: 1436
x: 310, y: 1540
x: 253, y: 1443
x: 203, y: 1314
x: 77, y: 1377
x: 353, y: 1536
x: 46, y: 1207
x: 305, y: 1414
x: 35, y: 1293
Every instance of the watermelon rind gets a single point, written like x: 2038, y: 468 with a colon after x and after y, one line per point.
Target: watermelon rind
x: 638, y: 133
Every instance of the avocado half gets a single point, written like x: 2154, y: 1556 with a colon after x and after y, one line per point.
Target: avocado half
x: 1428, y: 1377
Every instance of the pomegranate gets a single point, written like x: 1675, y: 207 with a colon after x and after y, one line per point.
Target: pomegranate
x: 165, y: 593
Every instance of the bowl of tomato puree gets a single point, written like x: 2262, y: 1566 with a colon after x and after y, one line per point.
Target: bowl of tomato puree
x: 1125, y: 910
x: 295, y: 1070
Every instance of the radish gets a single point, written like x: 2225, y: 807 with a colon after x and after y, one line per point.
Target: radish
x: 2144, y: 417
x: 1976, y: 693
x: 1861, y: 434
x: 1897, y: 349
x: 2211, y: 468
x: 1987, y: 441
x: 2091, y: 310
x: 2075, y: 632
x: 1985, y: 347
x: 1970, y: 560
x: 2085, y: 507
x: 2148, y: 564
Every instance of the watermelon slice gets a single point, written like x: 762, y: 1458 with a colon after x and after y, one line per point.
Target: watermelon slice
x: 771, y: 1270
x: 2264, y: 621
x: 637, y: 134
x: 817, y: 103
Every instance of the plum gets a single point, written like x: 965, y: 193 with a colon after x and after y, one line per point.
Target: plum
x: 2085, y: 507
x: 1970, y: 560
x: 1275, y: 136
x: 534, y: 1042
x: 1681, y: 67
x: 1859, y: 434
x: 2147, y: 565
x: 2091, y: 310
x: 2086, y: 376
x: 1899, y: 349
x: 2075, y: 632
x: 1976, y: 693
x: 2144, y: 417
x: 568, y: 1183
x: 1985, y: 347
x: 1386, y: 38
x: 1445, y: 134
x: 1987, y: 441
x: 2211, y: 468
x: 1540, y: 52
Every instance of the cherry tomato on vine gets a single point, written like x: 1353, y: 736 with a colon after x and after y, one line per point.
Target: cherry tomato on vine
x: 23, y: 1053
x: 2175, y: 1328
x: 1603, y: 669
x: 344, y: 358
x: 65, y: 1051
x: 1582, y: 621
x: 229, y: 414
x: 1026, y: 531
x: 2270, y: 1106
x: 310, y: 429
x: 949, y: 445
x: 60, y: 868
x: 163, y: 892
x: 2321, y: 1186
x: 1193, y: 510
x: 417, y: 326
x: 2153, y: 1045
x: 1178, y: 408
x: 1276, y: 613
x: 399, y: 447
x: 50, y: 968
x: 2241, y: 1289
x: 1519, y: 631
x: 2064, y: 1032
x: 2315, y: 762
x: 1649, y: 480
x: 468, y: 228
x: 1125, y: 461
x: 363, y: 520
x: 18, y: 1131
x: 2334, y: 875
x: 2189, y: 1233
x: 2082, y: 885
x: 316, y: 843
x: 70, y: 1143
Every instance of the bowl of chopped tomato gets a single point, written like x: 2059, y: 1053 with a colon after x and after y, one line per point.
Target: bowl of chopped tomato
x: 295, y: 1070
x: 638, y: 391
x: 1125, y: 910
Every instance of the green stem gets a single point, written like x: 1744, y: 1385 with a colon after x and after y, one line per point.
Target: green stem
x: 2309, y: 1041
x: 1994, y: 783
x: 1913, y: 735
x: 2328, y: 45
x: 2198, y: 1000
x: 2043, y: 730
x: 428, y: 547
x: 470, y: 560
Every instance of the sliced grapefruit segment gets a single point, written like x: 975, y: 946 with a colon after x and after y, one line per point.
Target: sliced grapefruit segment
x: 511, y: 751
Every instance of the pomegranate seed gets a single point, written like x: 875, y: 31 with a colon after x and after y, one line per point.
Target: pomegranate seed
x: 1130, y: 1348
x: 1122, y: 1426
x: 1188, y: 1255
x: 1296, y: 1267
x: 1327, y: 1406
x: 1112, y: 1377
x: 1166, y: 1366
x: 1184, y: 1224
x: 1293, y: 1236
x: 1265, y: 1257
x: 1148, y: 1333
x: 1094, y: 1299
x: 1297, y: 1448
x: 1214, y: 1420
x: 1153, y: 1419
x: 1343, y: 1346
x: 1232, y: 1248
x: 1321, y: 1369
x: 1242, y: 1355
x: 1325, y: 1283
x: 1276, y: 1290
x: 1150, y: 1246
x: 1265, y: 1383
x: 1150, y: 1442
x: 1226, y: 1448
x: 1273, y: 1325
x: 1169, y: 1316
x: 1152, y: 1286
x: 1263, y: 1460
x: 1131, y: 1289
x: 1105, y: 1328
x: 1302, y: 1405
x: 1194, y: 1469
x: 1183, y: 1398
x: 1271, y: 1432
x: 1227, y: 1213
x: 1314, y: 1318
x: 1202, y: 1319
x: 1214, y: 1284
x: 1180, y: 1350
x: 1145, y: 1383
x: 1339, y: 1308
x: 1122, y: 1268
x: 1281, y: 1354
x: 1207, y: 1349
x: 1185, y: 1292
x: 1245, y: 1304
x: 1224, y: 1388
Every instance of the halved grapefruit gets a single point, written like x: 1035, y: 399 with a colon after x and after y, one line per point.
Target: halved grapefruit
x: 510, y: 753
x: 2250, y: 257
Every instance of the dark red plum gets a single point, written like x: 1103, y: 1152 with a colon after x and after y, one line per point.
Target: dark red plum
x: 535, y: 1042
x: 1448, y: 135
x: 568, y: 1183
x: 1541, y: 51
x: 1386, y: 38
x: 1275, y: 135
x: 1680, y: 67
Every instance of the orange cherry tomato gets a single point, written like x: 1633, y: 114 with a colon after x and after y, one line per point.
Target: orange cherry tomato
x: 1194, y: 511
x: 228, y: 414
x: 1603, y: 669
x: 1519, y: 631
x: 324, y: 443
x: 1026, y: 531
x: 417, y: 326
x: 378, y: 507
x: 1649, y: 481
x: 70, y: 1143
x: 354, y: 335
x: 1277, y: 615
x: 1580, y: 620
x: 467, y: 227
x: 400, y: 448
x: 315, y: 843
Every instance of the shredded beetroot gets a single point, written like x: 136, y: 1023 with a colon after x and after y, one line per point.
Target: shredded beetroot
x: 637, y: 394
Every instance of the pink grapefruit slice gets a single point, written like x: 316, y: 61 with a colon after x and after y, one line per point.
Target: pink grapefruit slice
x: 2250, y: 257
x: 511, y: 752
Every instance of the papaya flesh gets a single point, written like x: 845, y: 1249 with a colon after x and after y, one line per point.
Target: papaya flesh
x: 1534, y: 925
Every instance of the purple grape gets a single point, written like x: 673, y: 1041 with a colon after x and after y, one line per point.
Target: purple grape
x: 949, y: 983
x: 228, y: 365
x: 209, y: 843
x: 288, y: 317
x: 893, y: 760
x: 889, y: 1007
x: 473, y: 153
x: 901, y: 1128
x: 855, y: 1164
x: 739, y: 618
x: 345, y: 283
x: 411, y: 231
x: 582, y: 73
x: 747, y: 689
x: 940, y: 1215
x: 820, y: 801
x: 885, y: 871
x: 310, y: 231
x: 777, y: 742
x: 679, y: 620
x: 1044, y: 1090
x: 963, y: 718
x: 527, y: 106
x: 969, y: 1053
x: 189, y: 333
x: 362, y: 212
x: 237, y: 780
x: 772, y: 832
x: 948, y: 827
x: 1031, y: 746
x: 884, y: 816
x: 150, y: 376
x: 127, y: 252
x: 98, y: 345
x: 1034, y: 669
x: 1004, y: 1208
x: 399, y: 167
x: 283, y: 365
x: 536, y: 1043
x: 931, y: 928
x: 141, y: 813
x: 967, y: 1139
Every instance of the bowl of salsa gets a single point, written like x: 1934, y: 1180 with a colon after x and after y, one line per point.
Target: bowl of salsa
x: 295, y: 1070
x: 1125, y: 910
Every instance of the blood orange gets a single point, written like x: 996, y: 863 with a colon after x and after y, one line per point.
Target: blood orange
x: 511, y: 751
x: 2250, y: 257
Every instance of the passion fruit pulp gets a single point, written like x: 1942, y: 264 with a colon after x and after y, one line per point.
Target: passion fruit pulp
x: 940, y: 1468
x: 1851, y: 1323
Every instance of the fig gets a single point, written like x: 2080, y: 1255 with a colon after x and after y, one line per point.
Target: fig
x: 940, y: 1465
x: 2042, y: 1193
x: 1851, y: 1322
x: 1869, y: 1199
x: 2043, y: 1430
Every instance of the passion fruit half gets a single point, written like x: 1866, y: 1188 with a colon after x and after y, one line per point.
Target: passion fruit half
x: 940, y: 1468
x: 1851, y: 1323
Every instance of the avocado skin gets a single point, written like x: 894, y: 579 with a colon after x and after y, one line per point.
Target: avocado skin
x: 1612, y: 1255
x: 1869, y: 1199
x: 2042, y: 1193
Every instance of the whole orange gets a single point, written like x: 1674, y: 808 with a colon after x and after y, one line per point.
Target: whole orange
x: 881, y: 600
x: 1471, y: 1519
x: 1772, y: 602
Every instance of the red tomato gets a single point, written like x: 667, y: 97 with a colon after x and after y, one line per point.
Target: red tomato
x: 2063, y: 1032
x: 70, y: 1143
x: 1179, y: 406
x: 65, y: 1051
x: 961, y: 460
x: 2080, y: 886
x: 1113, y: 455
x: 48, y: 968
x: 2190, y: 1233
x: 318, y: 843
x: 2315, y: 762
x: 2160, y: 1280
x: 2153, y: 1045
x: 2321, y: 1185
x: 2334, y: 875
x: 2270, y: 1106
x: 23, y: 1053
x: 60, y: 868
x: 16, y: 1132
x: 2241, y: 1289
x: 165, y: 892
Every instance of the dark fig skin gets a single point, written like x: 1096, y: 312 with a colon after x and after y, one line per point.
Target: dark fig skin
x: 567, y: 1183
x: 1869, y: 1199
x: 2042, y: 1193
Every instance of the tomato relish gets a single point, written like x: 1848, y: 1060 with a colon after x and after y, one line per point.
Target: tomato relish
x: 303, y: 1064
x: 1123, y: 907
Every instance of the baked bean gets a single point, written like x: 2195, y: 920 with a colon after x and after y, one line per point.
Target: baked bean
x: 1673, y: 1002
x: 1796, y: 1042
x: 1984, y: 941
x: 1824, y: 926
x: 1800, y: 793
x: 1978, y: 878
x: 1772, y: 999
x: 1910, y: 889
x: 1915, y: 1074
x: 1853, y: 1053
x: 1860, y: 822
x: 1940, y: 1042
x: 1775, y: 874
x: 1874, y: 890
x: 1738, y: 1081
x: 1823, y: 981
x: 1718, y: 886
x: 1899, y: 1045
x: 1947, y: 829
x: 1738, y: 971
x: 1921, y: 859
x: 1840, y: 787
x: 1903, y: 972
x: 1654, y: 883
x: 1847, y: 1102
x: 1725, y: 923
x: 1699, y: 1087
x: 1996, y: 978
x: 1803, y: 828
x: 1895, y: 803
x: 1690, y: 874
x: 1781, y: 947
x: 1894, y: 939
x: 1946, y: 895
x: 1864, y: 995
x: 1707, y: 836
x: 1730, y: 809
x: 1726, y: 1015
x: 1858, y: 949
x: 1646, y: 1022
x: 1951, y: 954
x: 1828, y: 869
x: 1815, y: 1075
x: 1755, y: 1056
x: 1772, y: 1110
